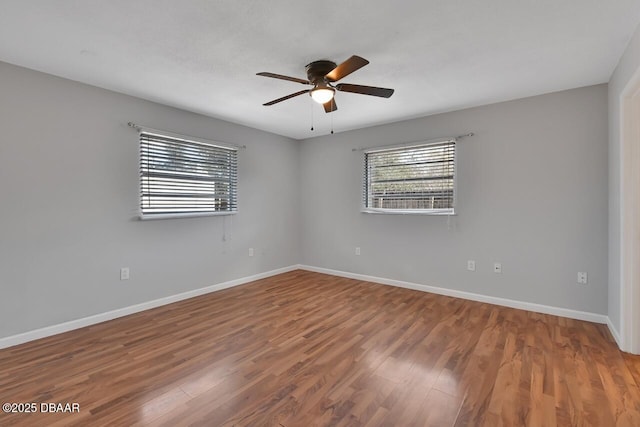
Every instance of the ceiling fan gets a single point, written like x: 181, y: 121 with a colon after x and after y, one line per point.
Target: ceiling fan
x: 322, y: 74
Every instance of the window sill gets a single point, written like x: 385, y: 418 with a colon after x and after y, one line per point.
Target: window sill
x: 183, y: 215
x: 438, y: 212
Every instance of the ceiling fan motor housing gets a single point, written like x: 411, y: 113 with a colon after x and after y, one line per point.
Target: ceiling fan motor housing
x: 317, y: 70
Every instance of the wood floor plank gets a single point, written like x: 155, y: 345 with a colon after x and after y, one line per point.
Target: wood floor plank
x: 438, y: 410
x: 308, y: 349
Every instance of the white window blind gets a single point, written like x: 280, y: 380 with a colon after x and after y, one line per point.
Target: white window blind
x: 411, y: 179
x: 181, y: 177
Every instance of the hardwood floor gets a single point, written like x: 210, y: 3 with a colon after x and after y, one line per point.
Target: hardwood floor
x: 307, y: 349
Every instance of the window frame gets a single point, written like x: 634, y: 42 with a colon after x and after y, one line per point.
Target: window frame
x: 188, y: 141
x: 366, y: 188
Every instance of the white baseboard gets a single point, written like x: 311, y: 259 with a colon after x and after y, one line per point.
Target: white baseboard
x: 538, y: 308
x: 113, y: 314
x: 125, y: 311
x: 615, y: 333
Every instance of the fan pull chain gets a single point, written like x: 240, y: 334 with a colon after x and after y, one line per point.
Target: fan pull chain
x: 311, y: 103
x: 333, y: 102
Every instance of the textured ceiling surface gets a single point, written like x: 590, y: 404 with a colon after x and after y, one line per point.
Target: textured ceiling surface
x: 202, y: 55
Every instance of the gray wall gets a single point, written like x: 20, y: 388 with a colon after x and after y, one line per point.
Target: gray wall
x: 532, y: 194
x: 69, y: 198
x: 628, y: 65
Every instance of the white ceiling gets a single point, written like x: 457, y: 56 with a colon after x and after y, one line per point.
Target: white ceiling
x: 202, y: 55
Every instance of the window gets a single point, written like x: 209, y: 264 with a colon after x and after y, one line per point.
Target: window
x: 419, y: 178
x: 182, y: 177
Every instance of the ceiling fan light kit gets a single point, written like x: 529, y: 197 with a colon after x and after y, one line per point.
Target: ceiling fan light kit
x: 322, y: 95
x: 321, y: 74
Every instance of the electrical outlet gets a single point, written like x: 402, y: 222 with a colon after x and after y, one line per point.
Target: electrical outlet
x: 124, y: 273
x: 497, y: 267
x: 357, y: 250
x: 250, y: 251
x: 471, y: 265
x: 582, y: 277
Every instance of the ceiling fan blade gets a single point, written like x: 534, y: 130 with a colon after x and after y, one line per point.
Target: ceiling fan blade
x: 284, y: 98
x: 330, y: 106
x: 281, y: 77
x: 365, y: 90
x: 347, y: 67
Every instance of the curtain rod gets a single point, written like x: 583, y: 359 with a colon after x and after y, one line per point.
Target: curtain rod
x: 422, y: 141
x: 141, y: 128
